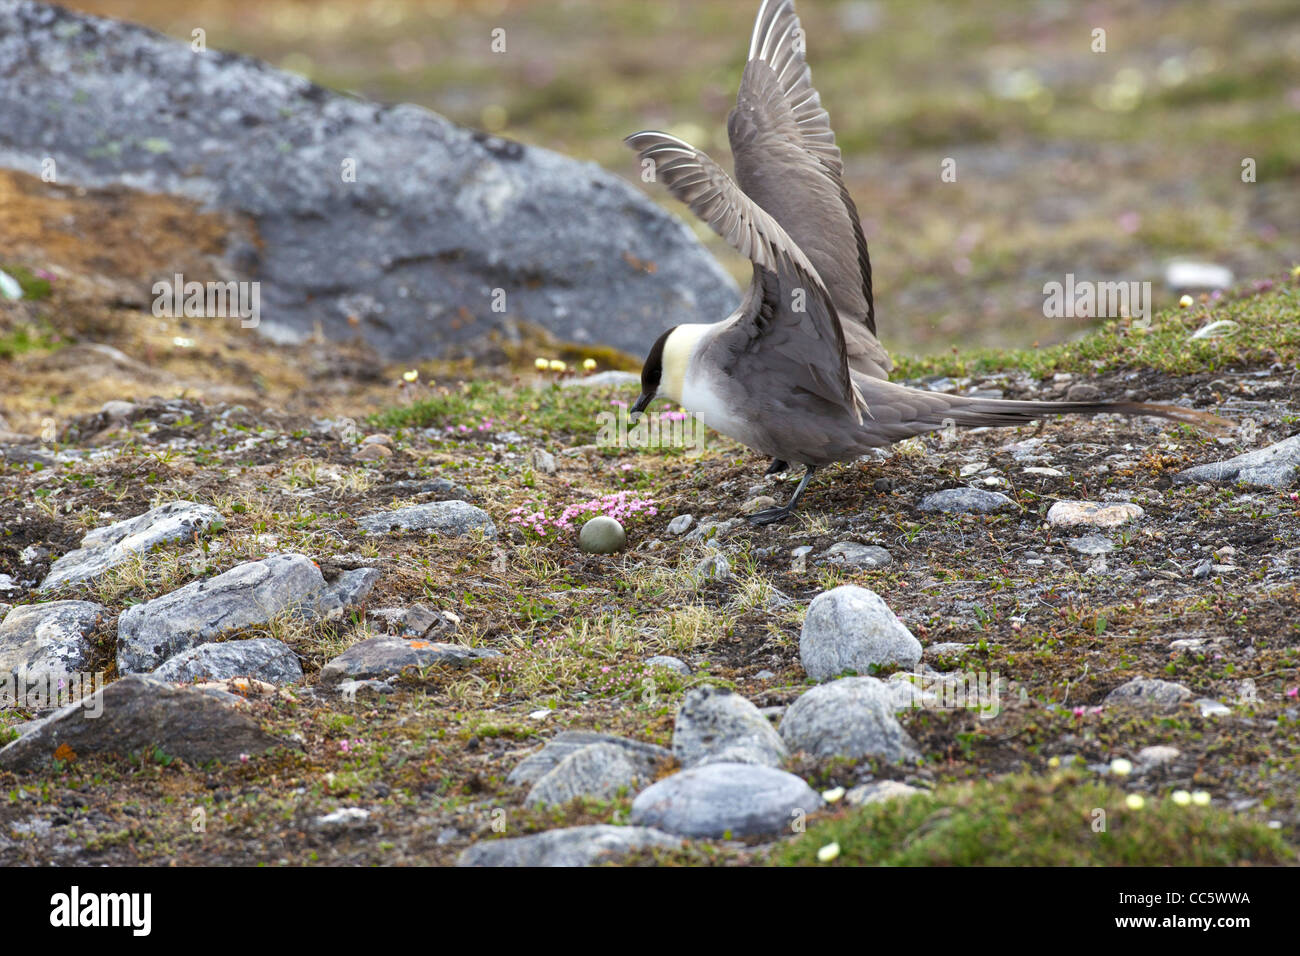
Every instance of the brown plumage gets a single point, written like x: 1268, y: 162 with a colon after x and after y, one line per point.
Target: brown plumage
x: 796, y: 372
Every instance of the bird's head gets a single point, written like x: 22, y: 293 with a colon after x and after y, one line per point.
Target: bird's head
x: 664, y: 373
x: 652, y: 376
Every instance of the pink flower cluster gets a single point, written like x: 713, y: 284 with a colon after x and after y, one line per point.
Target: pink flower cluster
x: 620, y: 505
x: 483, y: 426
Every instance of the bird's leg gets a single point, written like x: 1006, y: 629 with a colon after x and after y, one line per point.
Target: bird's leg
x: 772, y: 515
x: 776, y: 467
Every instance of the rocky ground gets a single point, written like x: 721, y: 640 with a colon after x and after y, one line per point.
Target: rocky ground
x: 343, y: 616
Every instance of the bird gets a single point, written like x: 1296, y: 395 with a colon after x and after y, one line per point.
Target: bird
x: 797, y: 372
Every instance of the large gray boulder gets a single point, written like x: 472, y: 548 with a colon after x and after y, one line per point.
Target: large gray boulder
x: 852, y: 628
x: 596, y: 772
x: 645, y: 757
x: 443, y: 518
x: 245, y: 596
x: 262, y: 658
x: 139, y: 712
x: 721, y: 799
x: 385, y: 656
x: 715, y: 725
x: 571, y: 846
x: 1272, y: 467
x: 46, y: 640
x: 851, y: 717
x: 436, y: 219
x: 105, y: 548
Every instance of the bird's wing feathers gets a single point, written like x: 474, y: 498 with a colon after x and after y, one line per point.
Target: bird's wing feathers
x: 778, y: 43
x: 788, y: 309
x: 787, y: 332
x: 702, y: 184
x: 787, y: 161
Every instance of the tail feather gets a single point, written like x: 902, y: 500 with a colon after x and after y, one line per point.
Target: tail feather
x: 975, y: 412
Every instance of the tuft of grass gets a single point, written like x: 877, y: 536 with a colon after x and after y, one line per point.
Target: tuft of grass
x: 26, y: 338
x: 485, y: 407
x: 1026, y: 820
x: 33, y: 286
x: 1268, y: 331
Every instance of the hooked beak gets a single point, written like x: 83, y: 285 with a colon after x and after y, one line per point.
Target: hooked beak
x: 640, y: 406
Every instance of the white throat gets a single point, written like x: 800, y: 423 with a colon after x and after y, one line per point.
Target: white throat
x: 678, y: 349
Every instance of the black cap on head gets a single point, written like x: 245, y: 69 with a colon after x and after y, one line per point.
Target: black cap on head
x: 652, y: 373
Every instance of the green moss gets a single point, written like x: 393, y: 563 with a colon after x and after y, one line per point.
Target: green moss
x: 1025, y: 820
x: 1272, y: 319
x: 33, y: 286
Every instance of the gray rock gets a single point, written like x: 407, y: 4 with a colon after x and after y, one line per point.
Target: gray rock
x: 597, y: 771
x: 717, y: 726
x: 437, y: 217
x: 646, y: 757
x: 881, y: 791
x: 602, y: 535
x: 381, y: 657
x: 353, y: 690
x: 851, y: 554
x: 607, y: 379
x: 851, y: 628
x: 1083, y: 392
x: 139, y: 712
x: 758, y: 503
x: 713, y: 567
x: 107, y: 547
x: 1147, y: 692
x: 41, y: 640
x: 344, y: 819
x: 263, y: 658
x: 908, y: 690
x: 1212, y: 708
x: 1158, y: 755
x: 436, y: 517
x: 570, y: 846
x: 726, y: 799
x: 948, y: 649
x: 1068, y: 514
x: 1197, y: 276
x: 710, y: 530
x: 851, y: 717
x: 670, y: 663
x: 346, y: 591
x: 1091, y: 545
x: 421, y: 621
x: 1271, y: 467
x: 681, y: 524
x: 544, y: 461
x: 245, y: 596
x: 967, y: 501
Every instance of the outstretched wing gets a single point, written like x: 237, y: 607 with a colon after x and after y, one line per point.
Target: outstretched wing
x: 787, y: 307
x: 787, y: 162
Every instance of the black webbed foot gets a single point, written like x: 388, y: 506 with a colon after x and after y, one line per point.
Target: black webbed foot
x: 769, y: 515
